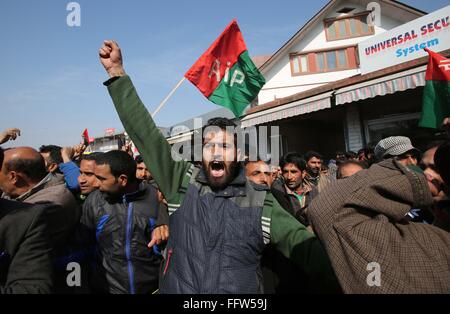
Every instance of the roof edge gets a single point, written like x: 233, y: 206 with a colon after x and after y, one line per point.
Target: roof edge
x: 344, y: 83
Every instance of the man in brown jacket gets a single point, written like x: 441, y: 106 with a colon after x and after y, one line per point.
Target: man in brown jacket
x: 372, y: 247
x: 25, y: 179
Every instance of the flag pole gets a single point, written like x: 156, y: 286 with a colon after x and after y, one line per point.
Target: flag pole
x: 168, y: 96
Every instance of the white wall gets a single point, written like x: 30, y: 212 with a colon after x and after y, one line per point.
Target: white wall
x: 279, y: 81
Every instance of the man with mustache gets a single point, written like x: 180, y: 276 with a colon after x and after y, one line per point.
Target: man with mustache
x: 220, y: 222
x: 87, y: 180
x: 314, y: 177
x: 295, y: 195
x: 259, y: 172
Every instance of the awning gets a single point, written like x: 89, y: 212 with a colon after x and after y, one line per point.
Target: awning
x: 385, y: 85
x: 296, y: 108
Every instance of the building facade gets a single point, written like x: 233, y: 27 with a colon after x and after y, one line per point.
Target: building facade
x: 316, y: 92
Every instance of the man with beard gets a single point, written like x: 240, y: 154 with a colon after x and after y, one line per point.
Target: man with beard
x: 121, y: 218
x: 314, y: 177
x: 259, y: 172
x: 142, y: 172
x: 280, y: 274
x: 219, y: 221
x: 292, y: 194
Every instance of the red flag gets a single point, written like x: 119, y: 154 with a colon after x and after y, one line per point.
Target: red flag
x: 86, y: 137
x: 225, y: 73
x: 438, y: 68
x: 436, y: 94
x: 226, y: 49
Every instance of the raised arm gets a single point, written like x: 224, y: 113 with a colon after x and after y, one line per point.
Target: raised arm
x: 140, y: 126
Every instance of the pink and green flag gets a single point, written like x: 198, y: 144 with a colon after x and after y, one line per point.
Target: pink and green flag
x: 225, y: 74
x: 436, y: 95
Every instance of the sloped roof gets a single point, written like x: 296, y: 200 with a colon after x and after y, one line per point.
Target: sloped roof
x: 318, y: 18
x: 260, y: 60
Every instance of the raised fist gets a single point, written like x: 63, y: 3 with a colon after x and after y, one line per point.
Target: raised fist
x: 111, y: 58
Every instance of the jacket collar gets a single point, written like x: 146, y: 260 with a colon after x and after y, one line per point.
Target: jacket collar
x: 40, y: 186
x: 139, y: 194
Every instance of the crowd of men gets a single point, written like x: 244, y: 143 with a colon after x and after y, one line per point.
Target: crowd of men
x: 304, y: 226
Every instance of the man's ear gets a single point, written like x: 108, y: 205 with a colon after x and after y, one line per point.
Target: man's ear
x: 304, y: 173
x: 15, y: 177
x: 123, y: 180
x: 12, y: 177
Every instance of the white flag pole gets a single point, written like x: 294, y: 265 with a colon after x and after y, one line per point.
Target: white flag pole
x: 168, y: 96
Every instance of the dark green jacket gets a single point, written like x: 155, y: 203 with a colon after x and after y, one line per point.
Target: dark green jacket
x: 290, y: 237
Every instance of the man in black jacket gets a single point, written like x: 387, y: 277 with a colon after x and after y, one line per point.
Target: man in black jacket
x: 120, y: 219
x: 25, y: 265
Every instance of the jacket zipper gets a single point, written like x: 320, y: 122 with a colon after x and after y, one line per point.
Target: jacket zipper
x: 128, y: 246
x: 169, y: 254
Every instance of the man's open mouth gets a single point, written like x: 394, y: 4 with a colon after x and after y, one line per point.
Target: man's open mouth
x: 217, y: 168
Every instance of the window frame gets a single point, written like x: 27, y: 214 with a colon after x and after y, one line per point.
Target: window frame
x: 312, y: 60
x: 346, y: 18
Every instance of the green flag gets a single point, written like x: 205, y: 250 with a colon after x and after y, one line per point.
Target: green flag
x: 436, y: 95
x: 225, y: 74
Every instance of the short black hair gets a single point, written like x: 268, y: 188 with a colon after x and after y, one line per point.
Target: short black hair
x: 258, y: 159
x: 441, y: 160
x: 139, y: 159
x: 33, y: 168
x: 223, y: 124
x: 349, y: 162
x: 92, y: 156
x: 293, y: 158
x: 119, y: 162
x: 54, y: 151
x: 350, y: 155
x: 312, y: 154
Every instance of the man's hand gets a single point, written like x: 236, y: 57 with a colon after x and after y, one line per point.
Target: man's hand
x: 67, y: 154
x: 9, y: 134
x: 160, y: 234
x: 111, y: 58
x: 127, y: 149
x: 78, y: 150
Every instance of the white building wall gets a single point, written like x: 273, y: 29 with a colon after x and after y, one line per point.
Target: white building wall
x: 279, y: 80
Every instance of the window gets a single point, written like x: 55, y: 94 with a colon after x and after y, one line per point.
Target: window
x: 394, y: 125
x: 323, y: 61
x: 348, y: 27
